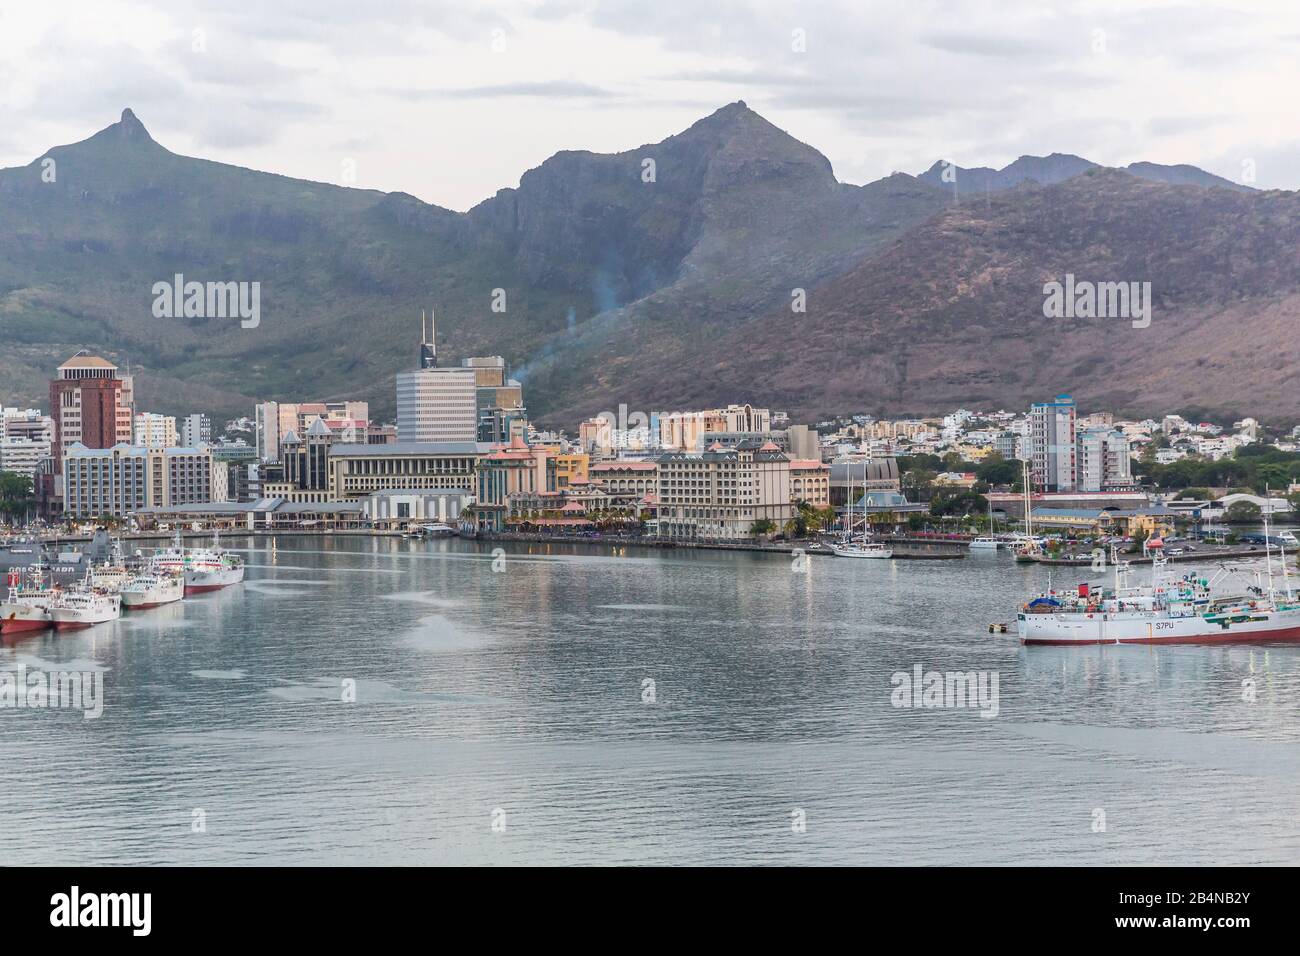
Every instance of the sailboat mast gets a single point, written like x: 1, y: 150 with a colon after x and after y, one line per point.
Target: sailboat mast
x: 1268, y: 543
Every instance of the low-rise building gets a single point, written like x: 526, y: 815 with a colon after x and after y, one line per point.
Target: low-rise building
x: 356, y: 471
x: 395, y: 508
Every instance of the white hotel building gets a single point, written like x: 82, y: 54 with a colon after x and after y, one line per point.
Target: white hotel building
x: 124, y: 479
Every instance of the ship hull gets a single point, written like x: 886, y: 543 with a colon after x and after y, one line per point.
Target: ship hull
x: 1070, y: 630
x: 21, y: 618
x: 152, y: 597
x: 855, y: 553
x: 200, y: 582
x: 71, y: 620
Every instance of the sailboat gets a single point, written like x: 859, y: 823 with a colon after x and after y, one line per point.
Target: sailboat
x: 1029, y: 546
x: 986, y: 542
x: 862, y: 548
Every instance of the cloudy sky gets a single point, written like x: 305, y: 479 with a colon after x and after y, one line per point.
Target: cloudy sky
x: 453, y: 99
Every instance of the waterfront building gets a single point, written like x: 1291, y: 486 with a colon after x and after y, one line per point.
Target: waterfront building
x: 356, y: 471
x: 124, y: 479
x: 196, y: 430
x: 625, y: 476
x: 1052, y: 444
x: 264, y: 514
x: 810, y: 481
x: 721, y: 492
x: 155, y: 431
x: 514, y: 469
x: 392, y: 509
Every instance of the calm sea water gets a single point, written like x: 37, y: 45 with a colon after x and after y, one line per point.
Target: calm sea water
x: 516, y: 697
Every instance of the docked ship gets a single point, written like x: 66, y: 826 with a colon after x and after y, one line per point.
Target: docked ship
x: 26, y: 606
x: 83, y: 606
x: 1170, y: 610
x: 204, y: 569
x: 152, y: 589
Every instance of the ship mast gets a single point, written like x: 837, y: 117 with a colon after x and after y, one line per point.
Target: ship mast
x: 1268, y: 545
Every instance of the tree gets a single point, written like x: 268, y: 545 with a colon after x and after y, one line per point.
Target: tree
x: 16, y: 494
x: 996, y: 470
x: 762, y: 526
x: 1242, y: 511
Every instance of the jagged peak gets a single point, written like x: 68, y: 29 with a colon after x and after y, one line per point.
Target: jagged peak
x: 128, y: 131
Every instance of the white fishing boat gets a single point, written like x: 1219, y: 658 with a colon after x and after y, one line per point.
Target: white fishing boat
x: 204, y: 569
x: 26, y: 605
x: 152, y: 589
x: 83, y: 606
x: 1169, y: 610
x: 985, y: 544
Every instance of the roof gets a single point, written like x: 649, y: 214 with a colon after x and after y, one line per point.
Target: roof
x: 87, y: 361
x: 409, y: 449
x: 622, y: 466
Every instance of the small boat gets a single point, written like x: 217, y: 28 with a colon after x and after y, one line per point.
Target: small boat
x: 438, y: 530
x: 83, y: 607
x: 152, y: 589
x: 26, y: 608
x: 865, y: 549
x: 985, y: 544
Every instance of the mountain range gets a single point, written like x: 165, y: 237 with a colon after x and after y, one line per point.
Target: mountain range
x: 725, y: 263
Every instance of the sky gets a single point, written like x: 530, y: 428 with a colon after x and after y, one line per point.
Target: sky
x: 451, y: 100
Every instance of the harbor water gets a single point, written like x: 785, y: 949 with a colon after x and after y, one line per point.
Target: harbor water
x: 367, y: 700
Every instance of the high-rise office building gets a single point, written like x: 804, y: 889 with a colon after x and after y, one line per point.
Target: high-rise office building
x: 500, y: 400
x: 90, y: 405
x: 436, y: 404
